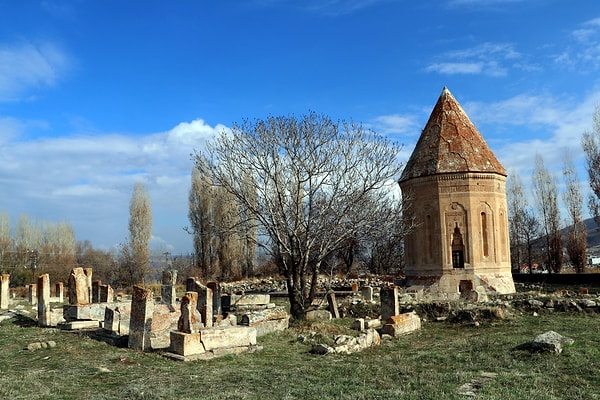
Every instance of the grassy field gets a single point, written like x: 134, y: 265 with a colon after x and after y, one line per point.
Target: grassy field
x: 431, y: 364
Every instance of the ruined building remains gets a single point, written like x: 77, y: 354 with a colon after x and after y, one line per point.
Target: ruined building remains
x: 455, y: 188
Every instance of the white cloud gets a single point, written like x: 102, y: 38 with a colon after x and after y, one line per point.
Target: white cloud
x: 88, y: 180
x: 395, y: 124
x: 28, y: 66
x: 491, y: 59
x: 583, y: 52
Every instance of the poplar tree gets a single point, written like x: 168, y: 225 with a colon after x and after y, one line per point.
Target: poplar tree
x: 140, y: 232
x: 545, y: 191
x: 576, y: 242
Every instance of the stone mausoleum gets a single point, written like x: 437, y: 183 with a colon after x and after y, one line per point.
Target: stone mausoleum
x: 455, y: 188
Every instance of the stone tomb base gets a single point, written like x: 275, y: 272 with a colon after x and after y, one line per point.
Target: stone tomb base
x: 402, y: 324
x: 212, y: 342
x: 459, y: 283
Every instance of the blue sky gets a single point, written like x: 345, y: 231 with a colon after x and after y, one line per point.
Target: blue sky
x: 98, y: 95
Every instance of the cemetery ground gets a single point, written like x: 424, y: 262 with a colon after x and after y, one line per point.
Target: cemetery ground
x: 441, y: 361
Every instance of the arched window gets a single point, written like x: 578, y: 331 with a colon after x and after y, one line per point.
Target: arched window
x: 484, y: 235
x: 458, y: 249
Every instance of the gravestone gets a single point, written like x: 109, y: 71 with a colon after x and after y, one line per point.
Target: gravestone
x: 32, y: 294
x: 216, y: 290
x: 167, y: 289
x: 60, y: 292
x: 140, y: 324
x: 43, y: 300
x: 96, y: 291
x: 78, y: 289
x: 389, y: 302
x: 189, y: 313
x: 4, y: 291
x: 367, y: 293
x: 106, y: 294
x: 333, y: 307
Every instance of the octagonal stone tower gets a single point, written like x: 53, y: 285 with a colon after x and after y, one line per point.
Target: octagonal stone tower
x: 455, y: 188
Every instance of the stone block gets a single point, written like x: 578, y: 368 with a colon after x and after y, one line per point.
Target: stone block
x: 60, y: 292
x: 249, y: 299
x: 318, y: 315
x: 107, y: 294
x: 74, y: 325
x: 267, y: 321
x: 228, y: 337
x: 397, y: 325
x: 186, y: 344
x: 94, y: 312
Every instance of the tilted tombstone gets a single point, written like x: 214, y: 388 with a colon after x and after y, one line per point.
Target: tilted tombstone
x: 333, y: 307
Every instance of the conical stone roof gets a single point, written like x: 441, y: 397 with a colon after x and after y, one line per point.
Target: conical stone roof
x: 450, y: 143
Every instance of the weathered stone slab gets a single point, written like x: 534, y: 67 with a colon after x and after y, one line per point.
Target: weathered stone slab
x: 186, y: 344
x: 397, y: 325
x: 267, y: 321
x: 228, y: 337
x: 75, y: 325
x: 4, y: 291
x: 117, y: 318
x: 94, y: 312
x: 249, y: 299
x: 164, y: 320
x: 78, y: 289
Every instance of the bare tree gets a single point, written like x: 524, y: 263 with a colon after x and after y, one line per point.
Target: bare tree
x: 314, y: 184
x: 140, y: 232
x: 517, y: 208
x: 5, y: 242
x: 591, y: 147
x: 546, y: 194
x: 576, y: 242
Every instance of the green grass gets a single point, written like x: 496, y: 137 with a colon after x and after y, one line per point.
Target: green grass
x: 430, y: 364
